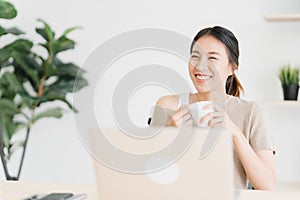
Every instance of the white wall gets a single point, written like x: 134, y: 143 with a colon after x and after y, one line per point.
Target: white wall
x: 55, y: 152
x: 285, y: 123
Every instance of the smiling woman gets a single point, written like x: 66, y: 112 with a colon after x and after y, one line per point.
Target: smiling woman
x: 221, y: 48
x: 212, y: 65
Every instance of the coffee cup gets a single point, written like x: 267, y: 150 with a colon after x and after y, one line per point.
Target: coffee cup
x: 197, y: 111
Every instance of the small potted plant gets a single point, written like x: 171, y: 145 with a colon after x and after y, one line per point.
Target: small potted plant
x: 289, y: 78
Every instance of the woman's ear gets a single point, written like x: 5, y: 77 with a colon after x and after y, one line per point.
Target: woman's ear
x: 232, y: 70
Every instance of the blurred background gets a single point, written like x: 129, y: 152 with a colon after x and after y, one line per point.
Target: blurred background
x: 54, y: 150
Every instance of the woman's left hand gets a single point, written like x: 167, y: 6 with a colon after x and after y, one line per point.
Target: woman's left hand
x: 219, y: 118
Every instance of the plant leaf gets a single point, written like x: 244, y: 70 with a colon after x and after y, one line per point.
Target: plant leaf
x: 7, y: 10
x: 69, y: 85
x: 62, y: 44
x: 5, y: 54
x: 21, y: 45
x: 5, y: 129
x: 6, y: 91
x: 27, y: 100
x: 55, y: 112
x: 79, y: 83
x: 57, y: 62
x: 13, y: 31
x: 42, y: 32
x: 69, y: 70
x: 2, y: 31
x: 53, y: 94
x: 22, y: 62
x: 45, y: 46
x: 47, y: 33
x: 50, y: 70
x: 289, y: 75
x: 12, y: 80
x: 9, y: 128
x: 69, y: 30
x: 8, y: 107
x: 20, y: 126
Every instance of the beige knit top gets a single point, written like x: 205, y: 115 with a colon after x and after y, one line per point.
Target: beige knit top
x: 250, y: 117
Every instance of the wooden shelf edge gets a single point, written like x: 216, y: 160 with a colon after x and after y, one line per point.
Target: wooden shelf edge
x: 282, y: 103
x: 282, y: 17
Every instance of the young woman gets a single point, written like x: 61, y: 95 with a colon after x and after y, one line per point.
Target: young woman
x: 213, y: 62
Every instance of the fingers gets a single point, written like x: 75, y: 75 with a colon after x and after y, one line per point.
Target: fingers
x: 215, y: 118
x: 186, y: 117
x: 181, y: 117
x: 212, y: 115
x: 216, y: 122
x: 188, y: 123
x: 183, y: 110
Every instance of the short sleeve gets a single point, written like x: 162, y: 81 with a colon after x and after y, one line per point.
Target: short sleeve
x: 161, y: 116
x: 260, y: 137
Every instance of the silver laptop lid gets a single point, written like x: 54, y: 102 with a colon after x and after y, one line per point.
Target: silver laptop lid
x: 177, y: 164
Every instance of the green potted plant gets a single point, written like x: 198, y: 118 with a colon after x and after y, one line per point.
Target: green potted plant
x: 29, y: 80
x: 289, y: 78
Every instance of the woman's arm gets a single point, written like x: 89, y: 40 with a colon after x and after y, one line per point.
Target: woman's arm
x: 181, y: 116
x: 259, y: 166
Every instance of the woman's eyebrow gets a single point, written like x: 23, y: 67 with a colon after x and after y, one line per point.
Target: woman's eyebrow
x: 213, y: 52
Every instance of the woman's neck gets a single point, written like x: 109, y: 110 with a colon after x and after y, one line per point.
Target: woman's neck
x: 196, y: 97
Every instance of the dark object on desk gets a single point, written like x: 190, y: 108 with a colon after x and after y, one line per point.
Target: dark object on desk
x: 250, y: 187
x: 149, y: 120
x: 57, y: 196
x: 78, y: 197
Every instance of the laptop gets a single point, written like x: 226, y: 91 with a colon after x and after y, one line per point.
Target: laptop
x: 171, y: 166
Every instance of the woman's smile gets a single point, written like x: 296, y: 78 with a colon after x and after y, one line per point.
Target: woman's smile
x: 202, y: 77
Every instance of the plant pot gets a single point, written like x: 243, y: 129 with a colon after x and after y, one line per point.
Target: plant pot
x: 4, y: 161
x: 290, y: 92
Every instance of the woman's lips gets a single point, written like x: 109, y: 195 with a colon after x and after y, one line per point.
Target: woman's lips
x: 201, y: 78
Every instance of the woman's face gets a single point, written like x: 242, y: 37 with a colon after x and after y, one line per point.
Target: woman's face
x: 209, y: 64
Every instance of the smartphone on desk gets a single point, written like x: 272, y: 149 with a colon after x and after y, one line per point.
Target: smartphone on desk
x: 57, y: 196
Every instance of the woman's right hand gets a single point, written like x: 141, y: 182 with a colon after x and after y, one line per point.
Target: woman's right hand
x: 181, y: 118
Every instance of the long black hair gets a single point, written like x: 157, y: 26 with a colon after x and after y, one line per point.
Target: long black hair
x: 233, y: 85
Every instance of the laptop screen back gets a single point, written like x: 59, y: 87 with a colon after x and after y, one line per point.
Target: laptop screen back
x: 191, y: 175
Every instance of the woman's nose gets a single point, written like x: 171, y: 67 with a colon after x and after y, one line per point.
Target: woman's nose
x: 202, y: 64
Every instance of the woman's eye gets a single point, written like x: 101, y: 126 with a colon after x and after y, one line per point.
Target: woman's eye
x: 195, y: 56
x: 212, y: 58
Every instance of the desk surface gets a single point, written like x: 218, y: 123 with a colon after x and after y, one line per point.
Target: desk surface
x: 20, y: 190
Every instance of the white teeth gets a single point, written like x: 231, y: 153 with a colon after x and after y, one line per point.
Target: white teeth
x: 202, y: 77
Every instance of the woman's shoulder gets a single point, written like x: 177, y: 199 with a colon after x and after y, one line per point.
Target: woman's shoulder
x: 243, y: 104
x: 168, y: 102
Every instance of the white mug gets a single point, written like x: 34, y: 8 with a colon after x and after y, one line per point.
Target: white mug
x: 197, y: 111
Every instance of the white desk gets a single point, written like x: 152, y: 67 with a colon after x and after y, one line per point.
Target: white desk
x: 20, y: 190
x: 265, y: 195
